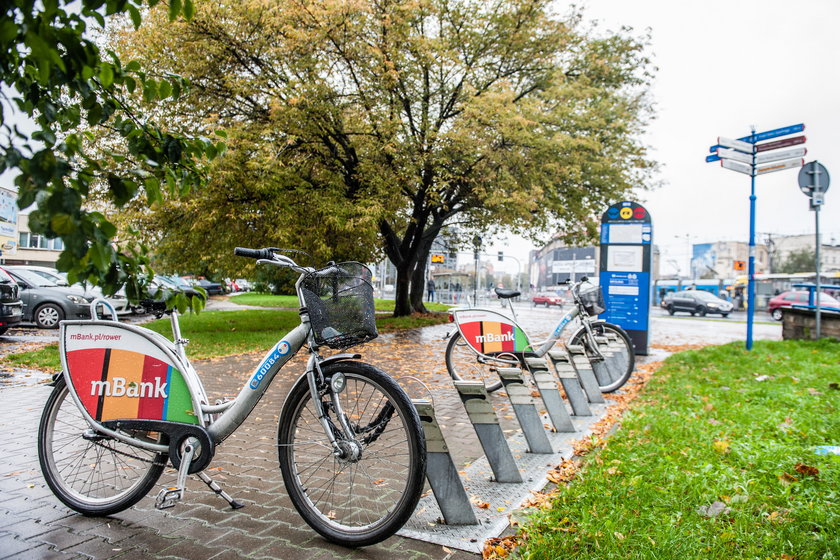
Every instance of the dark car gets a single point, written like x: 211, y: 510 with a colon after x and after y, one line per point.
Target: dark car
x: 797, y: 297
x: 11, y: 307
x: 696, y: 302
x: 212, y: 288
x: 547, y: 299
x: 46, y: 304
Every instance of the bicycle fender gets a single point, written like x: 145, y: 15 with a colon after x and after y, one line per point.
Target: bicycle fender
x: 582, y: 328
x: 340, y: 358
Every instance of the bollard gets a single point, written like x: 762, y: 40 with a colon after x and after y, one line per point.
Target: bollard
x: 547, y: 386
x: 580, y: 361
x: 571, y: 385
x: 483, y: 418
x: 441, y: 472
x: 525, y: 410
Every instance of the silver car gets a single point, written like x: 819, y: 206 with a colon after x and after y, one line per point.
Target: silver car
x: 45, y: 303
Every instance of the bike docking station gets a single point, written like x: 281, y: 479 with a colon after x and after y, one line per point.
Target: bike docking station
x: 466, y: 506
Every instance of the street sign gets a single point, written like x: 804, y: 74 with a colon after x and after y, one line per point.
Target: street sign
x: 775, y: 133
x: 734, y: 154
x: 814, y: 177
x: 711, y: 158
x: 778, y: 166
x: 437, y: 258
x: 739, y: 145
x: 780, y: 144
x: 784, y: 154
x: 744, y: 168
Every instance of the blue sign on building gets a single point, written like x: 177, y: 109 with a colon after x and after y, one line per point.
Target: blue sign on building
x: 625, y: 270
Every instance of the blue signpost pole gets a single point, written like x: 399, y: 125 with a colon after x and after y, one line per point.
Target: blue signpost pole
x: 751, y: 266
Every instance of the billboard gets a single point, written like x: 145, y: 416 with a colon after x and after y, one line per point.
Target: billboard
x: 8, y: 218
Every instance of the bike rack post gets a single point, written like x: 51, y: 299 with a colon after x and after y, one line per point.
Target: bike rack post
x: 483, y: 418
x: 441, y: 472
x: 605, y: 372
x: 581, y: 363
x: 547, y: 386
x: 525, y: 410
x: 571, y: 385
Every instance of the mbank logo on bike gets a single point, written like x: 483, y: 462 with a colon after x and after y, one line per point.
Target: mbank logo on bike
x: 280, y: 350
x: 492, y: 337
x: 120, y: 387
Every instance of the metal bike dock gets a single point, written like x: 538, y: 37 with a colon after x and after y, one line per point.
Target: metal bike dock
x: 490, y: 501
x: 581, y: 363
x: 483, y: 418
x: 571, y: 385
x: 441, y: 472
x: 550, y: 394
x: 525, y: 409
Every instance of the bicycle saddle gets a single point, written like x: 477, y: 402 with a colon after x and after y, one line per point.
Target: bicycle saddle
x: 506, y: 294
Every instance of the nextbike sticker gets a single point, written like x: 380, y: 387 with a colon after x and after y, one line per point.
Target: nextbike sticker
x: 282, y: 349
x: 563, y: 322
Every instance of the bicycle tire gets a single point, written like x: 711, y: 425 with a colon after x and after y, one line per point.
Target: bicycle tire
x: 610, y: 379
x: 92, y: 474
x: 361, y: 502
x: 463, y: 364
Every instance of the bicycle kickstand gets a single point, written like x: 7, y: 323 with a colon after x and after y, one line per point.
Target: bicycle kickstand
x: 218, y: 490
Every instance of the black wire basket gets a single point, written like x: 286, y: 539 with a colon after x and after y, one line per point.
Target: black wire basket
x: 592, y: 299
x: 339, y: 299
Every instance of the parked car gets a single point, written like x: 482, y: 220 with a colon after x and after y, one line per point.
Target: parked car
x: 11, y: 306
x: 212, y: 288
x: 45, y: 303
x: 547, y: 299
x: 118, y: 301
x: 797, y: 297
x: 696, y: 302
x: 172, y: 283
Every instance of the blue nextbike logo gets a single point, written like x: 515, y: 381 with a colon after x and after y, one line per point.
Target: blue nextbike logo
x: 563, y: 323
x: 280, y: 350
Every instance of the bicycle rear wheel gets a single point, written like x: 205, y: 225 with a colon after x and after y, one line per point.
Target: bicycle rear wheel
x: 463, y: 364
x: 89, y: 472
x: 613, y: 373
x: 365, y: 495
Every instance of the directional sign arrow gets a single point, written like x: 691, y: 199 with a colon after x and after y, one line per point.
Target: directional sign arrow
x: 737, y: 166
x: 734, y: 154
x: 773, y: 167
x: 796, y: 140
x: 739, y: 145
x: 783, y: 154
x: 775, y: 133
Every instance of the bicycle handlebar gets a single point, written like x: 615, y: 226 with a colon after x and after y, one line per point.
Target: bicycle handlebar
x: 259, y: 254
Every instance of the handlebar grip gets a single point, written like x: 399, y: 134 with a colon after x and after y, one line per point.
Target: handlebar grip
x: 258, y: 254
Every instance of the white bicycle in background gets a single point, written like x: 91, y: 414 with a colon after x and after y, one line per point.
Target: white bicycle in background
x: 486, y: 339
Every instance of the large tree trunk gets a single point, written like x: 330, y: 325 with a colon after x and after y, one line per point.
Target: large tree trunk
x: 402, y: 305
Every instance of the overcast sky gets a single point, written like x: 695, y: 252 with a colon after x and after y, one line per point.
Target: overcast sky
x: 724, y: 66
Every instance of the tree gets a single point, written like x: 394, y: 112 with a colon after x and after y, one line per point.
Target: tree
x: 800, y: 260
x: 402, y: 117
x: 54, y: 74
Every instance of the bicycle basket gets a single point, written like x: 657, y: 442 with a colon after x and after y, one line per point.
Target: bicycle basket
x: 592, y: 299
x: 339, y: 299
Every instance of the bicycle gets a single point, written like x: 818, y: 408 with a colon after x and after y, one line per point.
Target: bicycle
x: 485, y: 340
x: 349, y: 440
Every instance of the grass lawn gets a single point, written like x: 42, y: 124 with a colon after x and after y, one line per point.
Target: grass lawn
x: 291, y: 302
x: 713, y: 425
x: 222, y: 333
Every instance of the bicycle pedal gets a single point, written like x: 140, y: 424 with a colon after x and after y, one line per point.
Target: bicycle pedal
x: 168, y: 497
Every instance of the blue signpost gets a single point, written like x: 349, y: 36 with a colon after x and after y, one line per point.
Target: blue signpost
x: 625, y: 268
x: 731, y: 154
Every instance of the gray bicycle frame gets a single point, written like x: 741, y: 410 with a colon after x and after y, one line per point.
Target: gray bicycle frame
x: 234, y: 412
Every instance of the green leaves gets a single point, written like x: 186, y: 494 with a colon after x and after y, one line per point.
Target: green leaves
x: 57, y: 76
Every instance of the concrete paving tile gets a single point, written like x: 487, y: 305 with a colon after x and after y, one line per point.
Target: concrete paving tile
x: 42, y: 552
x: 61, y: 538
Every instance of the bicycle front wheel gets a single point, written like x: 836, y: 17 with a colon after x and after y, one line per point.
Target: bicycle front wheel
x: 613, y: 373
x: 89, y: 472
x: 367, y: 492
x: 463, y: 364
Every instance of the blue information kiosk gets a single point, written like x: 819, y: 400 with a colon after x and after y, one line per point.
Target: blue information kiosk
x: 625, y: 269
